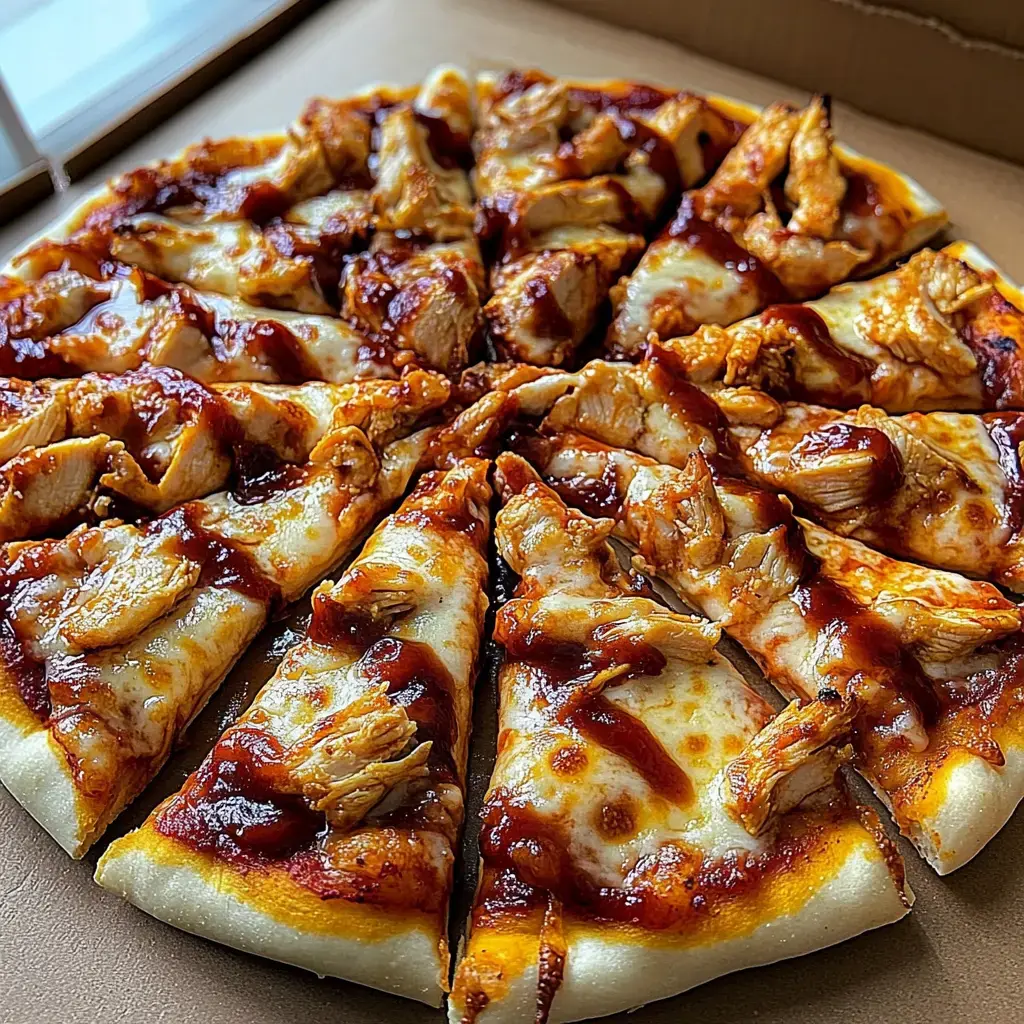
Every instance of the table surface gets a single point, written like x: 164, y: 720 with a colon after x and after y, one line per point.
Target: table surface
x: 71, y: 952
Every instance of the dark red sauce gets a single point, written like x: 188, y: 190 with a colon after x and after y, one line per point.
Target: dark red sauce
x: 234, y: 807
x: 449, y: 148
x: 861, y: 644
x: 815, y: 345
x: 1006, y: 429
x: 615, y: 729
x: 415, y: 678
x: 719, y: 245
x: 224, y: 564
x: 260, y: 474
x: 686, y: 400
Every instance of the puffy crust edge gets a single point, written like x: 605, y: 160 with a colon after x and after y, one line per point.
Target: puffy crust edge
x: 35, y: 772
x: 196, y: 893
x: 604, y: 975
x: 972, y: 801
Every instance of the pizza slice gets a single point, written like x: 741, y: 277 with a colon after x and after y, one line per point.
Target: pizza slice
x: 569, y: 175
x: 927, y: 662
x: 64, y: 312
x: 648, y: 826
x: 939, y: 488
x: 143, y: 441
x: 944, y: 331
x: 321, y: 829
x: 112, y: 639
x: 787, y: 214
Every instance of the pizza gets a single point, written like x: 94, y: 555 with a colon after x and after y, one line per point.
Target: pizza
x: 322, y: 828
x: 786, y: 214
x: 666, y: 340
x: 649, y: 824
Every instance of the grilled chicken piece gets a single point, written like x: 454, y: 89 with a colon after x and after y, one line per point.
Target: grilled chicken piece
x: 45, y: 489
x: 413, y: 192
x: 940, y: 616
x: 815, y: 184
x: 913, y: 315
x: 547, y: 302
x: 798, y: 753
x: 736, y: 190
x: 356, y: 758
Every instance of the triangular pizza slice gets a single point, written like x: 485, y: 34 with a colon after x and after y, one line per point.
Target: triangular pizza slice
x: 648, y: 825
x: 321, y: 829
x: 927, y: 663
x: 787, y: 214
x: 65, y: 312
x: 944, y: 331
x: 112, y: 639
x: 136, y: 443
x: 570, y: 175
x: 942, y: 488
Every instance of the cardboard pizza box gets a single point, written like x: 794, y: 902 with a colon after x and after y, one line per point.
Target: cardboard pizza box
x: 73, y: 953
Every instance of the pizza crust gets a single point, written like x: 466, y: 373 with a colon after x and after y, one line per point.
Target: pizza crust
x: 976, y: 800
x: 604, y: 975
x: 163, y: 878
x: 35, y: 772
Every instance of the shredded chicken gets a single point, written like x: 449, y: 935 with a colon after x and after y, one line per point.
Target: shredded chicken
x: 805, y: 264
x: 939, y: 615
x: 736, y: 189
x: 795, y: 755
x: 815, y: 185
x: 912, y: 317
x: 356, y: 758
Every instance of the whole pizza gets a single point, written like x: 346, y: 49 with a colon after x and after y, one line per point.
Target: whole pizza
x: 592, y: 373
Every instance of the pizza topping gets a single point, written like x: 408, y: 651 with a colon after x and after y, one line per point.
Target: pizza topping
x: 796, y: 754
x: 914, y: 316
x: 694, y: 227
x: 940, y: 616
x: 355, y: 758
x: 735, y: 189
x: 815, y: 184
x: 413, y: 192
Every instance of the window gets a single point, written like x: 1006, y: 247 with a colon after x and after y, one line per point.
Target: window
x: 70, y: 70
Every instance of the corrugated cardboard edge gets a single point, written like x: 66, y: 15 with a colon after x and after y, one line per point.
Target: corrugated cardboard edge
x: 898, y: 64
